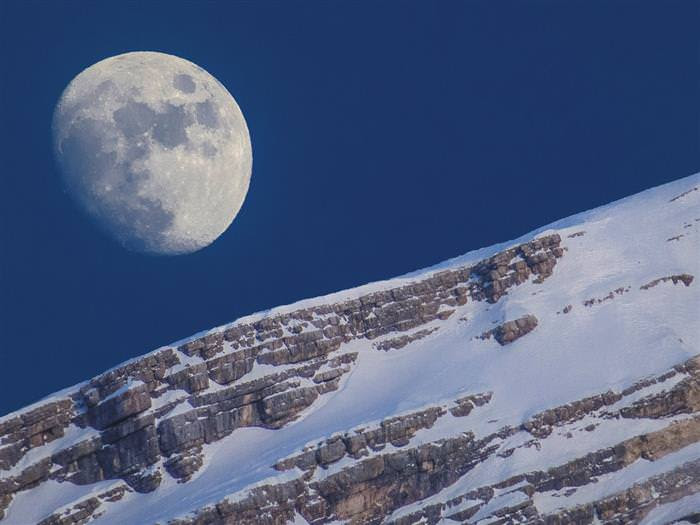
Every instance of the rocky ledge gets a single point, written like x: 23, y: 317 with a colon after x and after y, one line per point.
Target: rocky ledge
x: 388, y: 472
x: 152, y: 415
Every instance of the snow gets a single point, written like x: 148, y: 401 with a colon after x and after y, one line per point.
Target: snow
x: 465, y: 504
x: 609, y: 484
x: 130, y: 383
x: 649, y: 391
x: 557, y: 449
x: 299, y: 520
x: 669, y: 512
x: 497, y: 503
x: 641, y: 333
x: 56, y: 396
x: 72, y: 435
x: 51, y: 496
x: 170, y: 396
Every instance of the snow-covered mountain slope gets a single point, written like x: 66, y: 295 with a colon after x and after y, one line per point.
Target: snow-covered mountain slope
x: 551, y: 379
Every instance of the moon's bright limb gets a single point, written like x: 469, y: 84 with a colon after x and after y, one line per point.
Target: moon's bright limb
x: 155, y: 149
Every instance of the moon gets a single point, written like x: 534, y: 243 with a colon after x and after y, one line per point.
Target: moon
x: 155, y: 150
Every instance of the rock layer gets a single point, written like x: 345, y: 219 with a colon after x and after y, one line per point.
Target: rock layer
x: 134, y: 430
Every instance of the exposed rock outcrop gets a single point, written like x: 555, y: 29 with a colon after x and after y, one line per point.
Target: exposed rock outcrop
x: 509, y: 331
x: 374, y: 487
x: 684, y: 278
x: 687, y: 192
x: 32, y: 429
x: 403, y: 340
x: 135, y: 436
x: 380, y: 481
x: 396, y: 431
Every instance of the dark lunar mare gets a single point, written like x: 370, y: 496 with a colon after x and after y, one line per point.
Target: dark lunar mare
x: 184, y: 83
x: 134, y: 118
x: 167, y: 127
x: 170, y: 126
x: 107, y: 189
x: 206, y: 114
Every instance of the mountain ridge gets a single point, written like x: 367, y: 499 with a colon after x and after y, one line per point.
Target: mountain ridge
x: 261, y: 377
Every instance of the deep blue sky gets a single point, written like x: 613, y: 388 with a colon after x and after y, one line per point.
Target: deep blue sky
x: 387, y: 136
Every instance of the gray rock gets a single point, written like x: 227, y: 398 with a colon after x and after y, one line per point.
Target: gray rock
x: 115, y: 409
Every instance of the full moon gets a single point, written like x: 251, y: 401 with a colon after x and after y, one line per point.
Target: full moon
x: 155, y: 149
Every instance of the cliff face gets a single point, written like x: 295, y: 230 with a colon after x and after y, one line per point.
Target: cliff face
x: 555, y: 379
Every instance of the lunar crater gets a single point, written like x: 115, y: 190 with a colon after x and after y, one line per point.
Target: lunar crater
x: 154, y: 149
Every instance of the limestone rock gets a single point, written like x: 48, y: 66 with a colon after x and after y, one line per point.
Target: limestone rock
x: 115, y: 409
x: 509, y: 331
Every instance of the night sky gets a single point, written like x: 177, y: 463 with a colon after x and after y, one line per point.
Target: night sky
x: 387, y: 136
